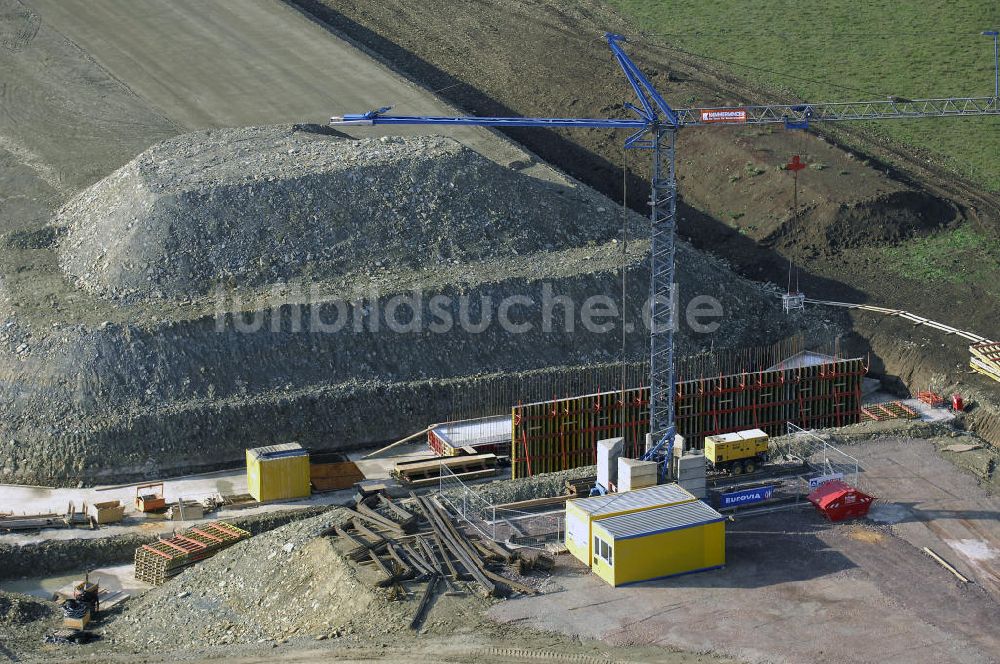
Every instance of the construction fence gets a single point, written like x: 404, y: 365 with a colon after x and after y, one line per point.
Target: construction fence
x: 531, y: 528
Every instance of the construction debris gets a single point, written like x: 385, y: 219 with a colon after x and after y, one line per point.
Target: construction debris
x: 167, y: 557
x: 72, y: 517
x: 418, y: 542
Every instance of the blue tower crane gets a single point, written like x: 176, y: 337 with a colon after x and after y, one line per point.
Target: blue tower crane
x: 655, y: 129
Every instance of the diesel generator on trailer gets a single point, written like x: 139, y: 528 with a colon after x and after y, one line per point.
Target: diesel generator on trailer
x: 737, y: 452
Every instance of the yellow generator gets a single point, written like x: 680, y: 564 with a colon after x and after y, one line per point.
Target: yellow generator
x: 738, y: 452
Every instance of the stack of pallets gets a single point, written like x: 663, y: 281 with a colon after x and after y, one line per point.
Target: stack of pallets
x: 986, y: 359
x: 167, y: 557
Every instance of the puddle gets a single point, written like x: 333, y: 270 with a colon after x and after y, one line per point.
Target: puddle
x: 889, y: 513
x: 973, y: 549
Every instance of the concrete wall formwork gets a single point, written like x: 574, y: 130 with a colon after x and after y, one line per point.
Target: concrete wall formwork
x: 549, y: 436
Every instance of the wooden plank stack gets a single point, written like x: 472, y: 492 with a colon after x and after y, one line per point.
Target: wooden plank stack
x: 334, y: 476
x: 986, y: 359
x: 423, y: 472
x: 167, y: 557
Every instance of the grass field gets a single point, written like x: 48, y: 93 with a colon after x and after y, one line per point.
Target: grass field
x: 845, y: 50
x: 956, y: 256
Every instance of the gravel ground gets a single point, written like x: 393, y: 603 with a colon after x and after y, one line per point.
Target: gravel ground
x: 527, y: 488
x: 269, y: 588
x: 304, y: 230
x: 58, y: 556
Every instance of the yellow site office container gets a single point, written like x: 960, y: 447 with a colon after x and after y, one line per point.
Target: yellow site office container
x: 278, y: 472
x: 659, y: 542
x: 582, y: 512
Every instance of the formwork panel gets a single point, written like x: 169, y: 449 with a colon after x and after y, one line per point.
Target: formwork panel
x: 560, y: 434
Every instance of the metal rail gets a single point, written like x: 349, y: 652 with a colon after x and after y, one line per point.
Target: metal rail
x: 915, y: 319
x: 890, y: 109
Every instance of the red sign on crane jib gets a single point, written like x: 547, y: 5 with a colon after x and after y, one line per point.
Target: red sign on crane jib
x: 735, y: 115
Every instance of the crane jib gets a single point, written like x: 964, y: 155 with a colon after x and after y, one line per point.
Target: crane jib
x: 655, y: 129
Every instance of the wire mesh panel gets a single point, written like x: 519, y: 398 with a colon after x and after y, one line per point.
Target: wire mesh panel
x: 520, y: 527
x: 825, y: 461
x: 528, y: 528
x: 466, y: 504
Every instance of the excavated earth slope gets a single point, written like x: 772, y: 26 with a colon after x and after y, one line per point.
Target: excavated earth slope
x: 229, y: 257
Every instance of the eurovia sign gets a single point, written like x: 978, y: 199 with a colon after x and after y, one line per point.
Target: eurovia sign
x: 747, y: 496
x: 823, y: 479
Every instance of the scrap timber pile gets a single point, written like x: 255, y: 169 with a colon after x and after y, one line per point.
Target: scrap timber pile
x: 167, y: 557
x: 418, y: 542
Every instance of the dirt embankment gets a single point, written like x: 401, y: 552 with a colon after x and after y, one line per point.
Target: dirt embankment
x: 332, y: 301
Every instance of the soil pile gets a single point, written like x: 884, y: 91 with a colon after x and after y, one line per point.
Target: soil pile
x: 253, y: 206
x: 17, y: 609
x: 285, y: 583
x: 363, y: 288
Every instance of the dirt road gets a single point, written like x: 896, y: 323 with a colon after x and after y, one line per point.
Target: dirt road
x: 230, y: 64
x: 936, y: 505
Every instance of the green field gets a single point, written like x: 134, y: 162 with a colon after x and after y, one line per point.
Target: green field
x: 957, y: 255
x: 851, y: 51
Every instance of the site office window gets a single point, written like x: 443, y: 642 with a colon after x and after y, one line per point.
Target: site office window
x: 604, y: 551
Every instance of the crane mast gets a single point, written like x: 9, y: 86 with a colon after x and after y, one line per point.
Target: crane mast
x: 655, y: 129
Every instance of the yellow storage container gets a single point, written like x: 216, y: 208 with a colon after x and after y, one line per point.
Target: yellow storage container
x: 278, y: 472
x: 658, y: 542
x: 582, y: 512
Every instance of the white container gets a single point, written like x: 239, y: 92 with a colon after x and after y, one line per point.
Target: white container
x: 608, y: 451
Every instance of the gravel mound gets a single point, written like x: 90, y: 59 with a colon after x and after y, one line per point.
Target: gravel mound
x: 283, y: 584
x: 253, y: 206
x: 17, y: 609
